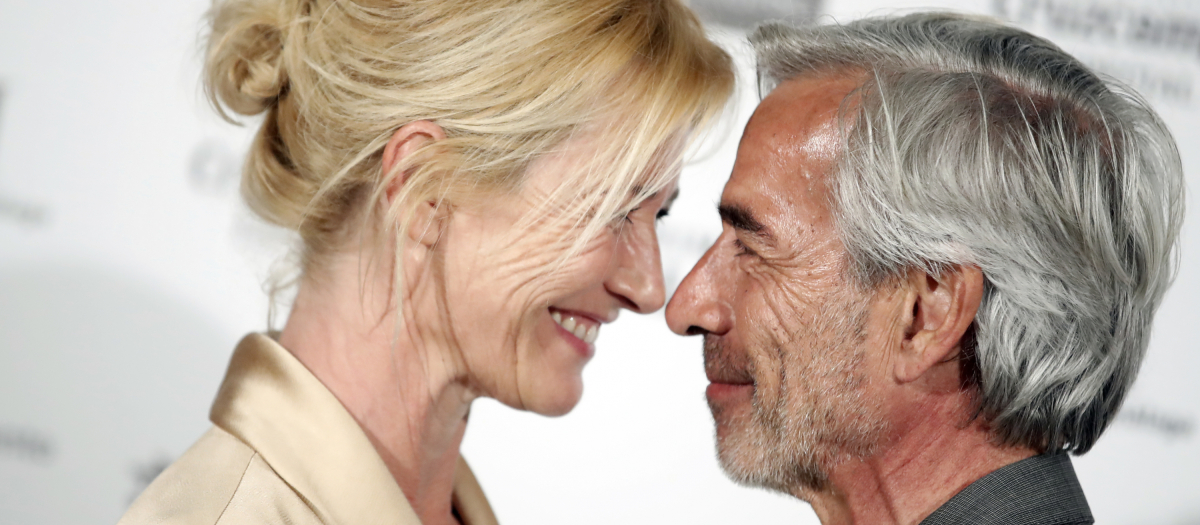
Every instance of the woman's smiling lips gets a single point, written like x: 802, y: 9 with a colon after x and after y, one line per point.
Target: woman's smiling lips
x: 580, y: 329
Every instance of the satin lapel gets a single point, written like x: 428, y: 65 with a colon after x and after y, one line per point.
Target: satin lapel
x: 472, y: 505
x: 273, y: 403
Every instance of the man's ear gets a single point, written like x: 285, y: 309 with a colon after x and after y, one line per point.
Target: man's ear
x: 405, y: 142
x: 938, y: 312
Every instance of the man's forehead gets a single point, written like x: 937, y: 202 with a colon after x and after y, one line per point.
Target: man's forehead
x: 789, y: 146
x: 798, y: 120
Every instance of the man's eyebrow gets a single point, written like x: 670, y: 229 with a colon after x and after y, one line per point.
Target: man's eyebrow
x: 743, y: 220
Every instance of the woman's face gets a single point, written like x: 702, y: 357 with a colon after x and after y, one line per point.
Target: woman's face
x: 524, y: 324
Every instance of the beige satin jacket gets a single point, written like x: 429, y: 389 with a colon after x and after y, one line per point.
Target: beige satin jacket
x: 283, y: 450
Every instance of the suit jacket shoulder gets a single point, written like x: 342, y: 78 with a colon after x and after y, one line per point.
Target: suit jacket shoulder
x: 1041, y: 490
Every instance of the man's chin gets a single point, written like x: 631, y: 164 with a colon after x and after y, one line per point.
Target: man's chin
x: 751, y: 458
x: 734, y: 425
x: 758, y: 471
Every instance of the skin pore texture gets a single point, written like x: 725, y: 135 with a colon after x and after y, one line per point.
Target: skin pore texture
x: 850, y: 399
x: 486, y: 312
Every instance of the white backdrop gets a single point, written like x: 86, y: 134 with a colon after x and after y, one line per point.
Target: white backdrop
x: 128, y: 270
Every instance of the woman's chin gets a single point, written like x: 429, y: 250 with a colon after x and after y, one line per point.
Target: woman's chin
x: 554, y: 402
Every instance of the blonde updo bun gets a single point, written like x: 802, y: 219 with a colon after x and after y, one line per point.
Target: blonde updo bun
x: 245, y: 70
x: 507, y: 80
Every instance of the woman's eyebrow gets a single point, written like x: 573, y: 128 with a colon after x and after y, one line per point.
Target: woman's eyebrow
x: 637, y: 190
x: 670, y: 201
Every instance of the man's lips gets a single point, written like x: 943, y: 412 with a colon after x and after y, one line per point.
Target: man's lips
x: 726, y: 391
x: 724, y: 379
x: 722, y: 372
x: 725, y: 386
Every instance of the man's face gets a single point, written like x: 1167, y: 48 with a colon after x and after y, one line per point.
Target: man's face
x: 785, y: 332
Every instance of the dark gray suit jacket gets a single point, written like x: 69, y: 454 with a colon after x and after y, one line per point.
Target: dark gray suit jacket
x: 1041, y: 490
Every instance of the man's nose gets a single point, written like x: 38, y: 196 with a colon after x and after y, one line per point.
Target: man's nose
x: 638, y: 278
x: 697, y: 307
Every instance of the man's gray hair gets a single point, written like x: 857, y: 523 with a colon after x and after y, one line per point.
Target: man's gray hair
x: 975, y: 143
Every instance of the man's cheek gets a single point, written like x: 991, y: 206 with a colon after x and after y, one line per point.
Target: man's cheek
x: 765, y: 347
x: 791, y: 305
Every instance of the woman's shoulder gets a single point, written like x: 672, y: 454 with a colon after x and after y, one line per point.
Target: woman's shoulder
x: 219, y: 480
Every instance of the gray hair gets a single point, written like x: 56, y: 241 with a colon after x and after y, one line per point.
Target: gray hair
x: 975, y: 143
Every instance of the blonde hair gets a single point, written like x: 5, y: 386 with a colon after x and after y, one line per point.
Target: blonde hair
x: 507, y: 80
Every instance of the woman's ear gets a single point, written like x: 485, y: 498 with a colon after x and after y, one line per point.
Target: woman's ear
x: 403, y: 144
x: 938, y: 312
x: 424, y: 228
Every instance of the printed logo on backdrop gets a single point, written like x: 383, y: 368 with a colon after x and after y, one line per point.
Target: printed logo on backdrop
x: 213, y: 167
x: 1172, y: 426
x: 746, y: 14
x: 13, y: 209
x: 1153, y: 45
x: 26, y: 444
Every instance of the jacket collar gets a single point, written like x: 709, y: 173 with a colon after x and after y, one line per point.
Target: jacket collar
x: 270, y: 401
x: 1034, y: 491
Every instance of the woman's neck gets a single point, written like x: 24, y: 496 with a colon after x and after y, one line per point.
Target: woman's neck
x: 408, y: 398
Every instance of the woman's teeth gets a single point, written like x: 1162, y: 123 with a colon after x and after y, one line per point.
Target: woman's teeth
x: 578, y: 329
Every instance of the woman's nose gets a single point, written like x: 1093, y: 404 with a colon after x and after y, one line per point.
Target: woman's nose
x: 638, y: 277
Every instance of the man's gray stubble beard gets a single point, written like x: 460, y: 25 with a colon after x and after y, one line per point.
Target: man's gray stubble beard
x: 814, y: 424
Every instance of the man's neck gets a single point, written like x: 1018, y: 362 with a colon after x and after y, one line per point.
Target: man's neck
x: 930, y: 457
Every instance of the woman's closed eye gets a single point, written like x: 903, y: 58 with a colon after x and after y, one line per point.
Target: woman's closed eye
x: 628, y: 216
x: 657, y: 216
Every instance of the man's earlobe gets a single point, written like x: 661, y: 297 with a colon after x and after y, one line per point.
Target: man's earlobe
x: 942, y: 309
